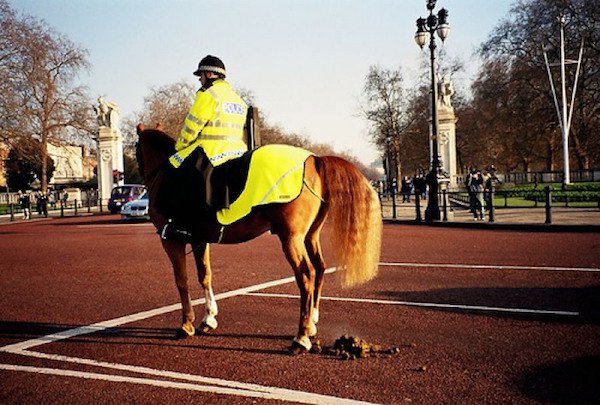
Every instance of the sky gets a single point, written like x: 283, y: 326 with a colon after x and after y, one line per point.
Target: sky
x: 304, y: 61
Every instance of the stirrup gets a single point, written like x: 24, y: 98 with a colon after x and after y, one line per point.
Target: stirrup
x: 170, y: 232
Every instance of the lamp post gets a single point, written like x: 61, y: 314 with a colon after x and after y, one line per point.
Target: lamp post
x: 426, y: 27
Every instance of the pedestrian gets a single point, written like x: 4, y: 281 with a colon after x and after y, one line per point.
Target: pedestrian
x: 65, y: 199
x: 406, y: 188
x: 51, y: 199
x: 38, y: 202
x: 490, y: 179
x: 475, y: 187
x: 420, y: 186
x: 43, y: 204
x: 25, y: 203
x: 380, y: 189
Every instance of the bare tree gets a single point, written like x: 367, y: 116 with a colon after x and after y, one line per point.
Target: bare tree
x: 41, y: 99
x: 526, y: 123
x: 384, y: 107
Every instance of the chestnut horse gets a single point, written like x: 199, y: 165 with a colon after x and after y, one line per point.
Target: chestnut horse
x: 333, y: 188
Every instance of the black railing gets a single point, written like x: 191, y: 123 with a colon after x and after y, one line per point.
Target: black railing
x: 411, y: 208
x: 59, y: 208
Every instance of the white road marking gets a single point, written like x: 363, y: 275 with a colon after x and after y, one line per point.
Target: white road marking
x: 100, y: 326
x: 123, y: 225
x: 492, y: 267
x: 248, y: 390
x: 219, y: 386
x: 226, y: 387
x: 426, y: 304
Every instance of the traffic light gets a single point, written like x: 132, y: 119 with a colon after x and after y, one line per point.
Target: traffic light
x: 115, y: 176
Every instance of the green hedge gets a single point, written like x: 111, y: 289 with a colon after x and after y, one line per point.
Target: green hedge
x: 576, y: 192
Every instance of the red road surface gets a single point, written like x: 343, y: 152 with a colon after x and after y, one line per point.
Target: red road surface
x: 479, y: 316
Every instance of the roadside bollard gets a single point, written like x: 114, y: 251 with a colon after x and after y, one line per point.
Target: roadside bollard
x: 76, y: 207
x: 394, y: 203
x: 12, y: 211
x: 492, y: 209
x: 445, y: 206
x: 100, y: 204
x: 89, y: 205
x: 548, y: 205
x: 62, y: 209
x: 418, y: 207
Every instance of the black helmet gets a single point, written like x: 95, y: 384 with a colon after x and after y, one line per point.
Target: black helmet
x: 211, y: 64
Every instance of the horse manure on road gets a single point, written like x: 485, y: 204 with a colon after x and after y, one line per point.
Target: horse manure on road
x: 353, y: 347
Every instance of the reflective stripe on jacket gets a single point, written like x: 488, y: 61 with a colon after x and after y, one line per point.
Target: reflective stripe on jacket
x: 215, y: 122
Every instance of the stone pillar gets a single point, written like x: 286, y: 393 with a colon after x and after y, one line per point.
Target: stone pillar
x: 110, y: 149
x: 447, y: 131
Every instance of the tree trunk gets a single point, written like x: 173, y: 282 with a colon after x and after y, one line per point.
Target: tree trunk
x: 44, y: 178
x: 581, y: 154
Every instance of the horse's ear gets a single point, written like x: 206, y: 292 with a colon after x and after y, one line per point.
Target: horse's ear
x: 159, y: 126
x: 139, y: 128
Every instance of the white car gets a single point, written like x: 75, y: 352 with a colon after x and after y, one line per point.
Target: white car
x: 136, y: 209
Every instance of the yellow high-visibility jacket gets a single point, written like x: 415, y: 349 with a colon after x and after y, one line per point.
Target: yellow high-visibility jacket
x: 216, y: 123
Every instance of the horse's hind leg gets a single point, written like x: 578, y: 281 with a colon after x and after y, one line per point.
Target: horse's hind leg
x: 315, y: 252
x: 297, y: 256
x: 202, y: 257
x: 176, y: 252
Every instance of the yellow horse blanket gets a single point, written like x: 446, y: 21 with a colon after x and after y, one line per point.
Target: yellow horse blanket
x: 275, y: 176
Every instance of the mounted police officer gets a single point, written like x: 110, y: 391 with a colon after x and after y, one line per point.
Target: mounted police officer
x: 213, y: 131
x: 216, y: 120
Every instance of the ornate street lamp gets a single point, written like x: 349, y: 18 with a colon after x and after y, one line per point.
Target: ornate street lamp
x: 425, y: 30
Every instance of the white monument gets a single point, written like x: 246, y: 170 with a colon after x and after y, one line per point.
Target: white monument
x: 446, y: 131
x: 110, y: 148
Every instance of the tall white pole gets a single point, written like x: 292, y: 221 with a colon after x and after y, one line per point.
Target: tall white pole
x: 567, y: 179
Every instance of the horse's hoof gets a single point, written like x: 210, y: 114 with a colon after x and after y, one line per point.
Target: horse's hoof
x: 297, y: 349
x: 183, y: 333
x: 316, y: 346
x: 205, y: 328
x: 300, y: 345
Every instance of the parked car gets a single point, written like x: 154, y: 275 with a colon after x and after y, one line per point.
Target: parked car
x: 124, y: 194
x: 136, y: 209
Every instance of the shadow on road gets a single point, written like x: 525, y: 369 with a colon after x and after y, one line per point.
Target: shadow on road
x: 585, y: 300
x: 571, y: 382
x: 20, y: 331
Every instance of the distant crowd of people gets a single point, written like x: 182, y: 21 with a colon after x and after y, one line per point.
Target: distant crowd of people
x: 478, y: 183
x: 409, y: 186
x: 42, y: 200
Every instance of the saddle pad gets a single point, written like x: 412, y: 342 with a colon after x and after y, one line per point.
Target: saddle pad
x: 275, y: 176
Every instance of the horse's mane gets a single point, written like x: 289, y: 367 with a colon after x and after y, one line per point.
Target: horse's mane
x: 153, y: 139
x: 158, y: 139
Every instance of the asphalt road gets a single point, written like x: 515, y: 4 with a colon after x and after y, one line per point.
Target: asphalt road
x: 477, y: 315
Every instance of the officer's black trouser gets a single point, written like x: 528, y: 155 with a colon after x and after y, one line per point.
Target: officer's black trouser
x: 181, y: 194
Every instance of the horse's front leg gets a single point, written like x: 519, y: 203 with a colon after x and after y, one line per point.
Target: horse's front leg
x: 202, y: 257
x: 176, y: 252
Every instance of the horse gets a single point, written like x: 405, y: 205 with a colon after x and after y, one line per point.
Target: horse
x: 333, y: 188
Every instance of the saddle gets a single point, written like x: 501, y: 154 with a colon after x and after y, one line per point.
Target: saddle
x: 223, y: 183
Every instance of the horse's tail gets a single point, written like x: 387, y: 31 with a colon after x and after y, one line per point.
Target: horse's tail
x: 355, y: 213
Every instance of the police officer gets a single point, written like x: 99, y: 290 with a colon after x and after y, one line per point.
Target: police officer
x: 216, y: 120
x: 214, y: 128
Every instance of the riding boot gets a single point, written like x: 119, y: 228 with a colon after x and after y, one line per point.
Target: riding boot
x: 171, y: 232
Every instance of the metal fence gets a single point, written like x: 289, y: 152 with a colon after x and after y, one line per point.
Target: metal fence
x: 40, y: 208
x: 463, y: 206
x: 576, y: 176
